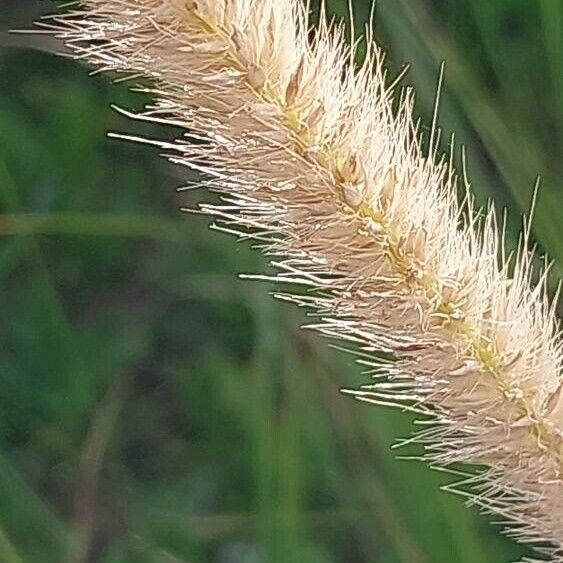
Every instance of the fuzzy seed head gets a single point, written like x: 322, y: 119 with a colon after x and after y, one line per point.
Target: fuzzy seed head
x: 317, y: 164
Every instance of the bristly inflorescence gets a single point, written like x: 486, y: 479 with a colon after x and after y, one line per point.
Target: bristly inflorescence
x: 319, y: 163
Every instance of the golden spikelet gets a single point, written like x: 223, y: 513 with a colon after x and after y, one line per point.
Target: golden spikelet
x: 320, y: 166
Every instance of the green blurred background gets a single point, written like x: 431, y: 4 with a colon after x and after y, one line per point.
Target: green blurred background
x: 155, y: 408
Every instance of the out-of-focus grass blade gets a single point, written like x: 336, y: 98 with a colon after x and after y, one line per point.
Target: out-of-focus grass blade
x: 92, y: 224
x: 8, y: 553
x: 551, y: 12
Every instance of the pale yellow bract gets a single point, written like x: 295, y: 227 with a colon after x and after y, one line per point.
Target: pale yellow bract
x: 320, y: 163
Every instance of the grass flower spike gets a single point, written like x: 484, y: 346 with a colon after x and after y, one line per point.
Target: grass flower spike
x: 319, y: 162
